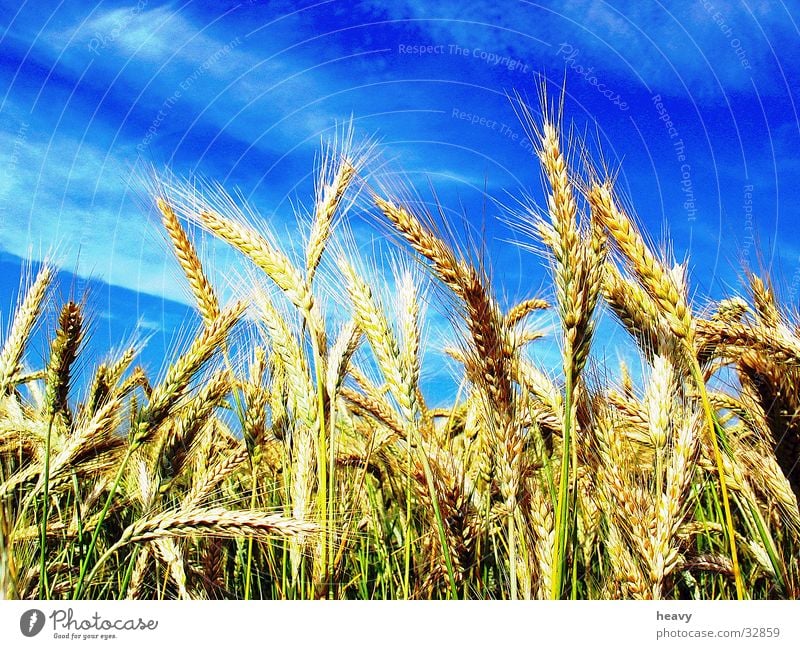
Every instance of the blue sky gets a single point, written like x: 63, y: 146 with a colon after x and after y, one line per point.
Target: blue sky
x: 696, y: 100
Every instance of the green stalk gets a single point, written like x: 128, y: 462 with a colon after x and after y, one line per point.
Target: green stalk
x: 437, y: 513
x: 572, y: 513
x: 322, y: 465
x: 240, y: 412
x: 768, y: 543
x: 285, y: 583
x: 407, y: 538
x: 96, y: 534
x: 332, y: 558
x: 562, y: 519
x: 574, y: 571
x: 439, y: 522
x: 78, y: 517
x: 697, y: 375
x: 512, y: 554
x: 248, y: 573
x: 126, y: 580
x: 45, y: 515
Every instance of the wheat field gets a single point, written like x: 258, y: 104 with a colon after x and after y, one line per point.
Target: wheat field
x: 283, y: 455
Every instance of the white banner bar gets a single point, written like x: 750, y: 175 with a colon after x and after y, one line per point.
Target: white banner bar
x: 223, y: 625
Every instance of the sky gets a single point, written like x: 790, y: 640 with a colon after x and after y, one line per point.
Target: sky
x: 694, y: 102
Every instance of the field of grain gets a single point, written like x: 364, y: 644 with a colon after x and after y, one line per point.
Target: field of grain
x: 280, y: 456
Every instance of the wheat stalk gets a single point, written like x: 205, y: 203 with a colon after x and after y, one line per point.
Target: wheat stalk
x: 578, y: 266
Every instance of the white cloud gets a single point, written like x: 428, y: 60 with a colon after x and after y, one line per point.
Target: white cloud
x: 71, y: 203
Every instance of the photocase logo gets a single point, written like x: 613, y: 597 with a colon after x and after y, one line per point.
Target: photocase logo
x: 31, y: 622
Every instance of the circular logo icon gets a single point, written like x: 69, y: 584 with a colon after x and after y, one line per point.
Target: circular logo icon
x: 31, y: 622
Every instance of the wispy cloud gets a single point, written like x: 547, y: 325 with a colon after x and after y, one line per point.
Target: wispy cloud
x: 708, y: 47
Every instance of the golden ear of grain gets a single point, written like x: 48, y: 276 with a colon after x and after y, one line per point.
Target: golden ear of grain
x: 137, y: 379
x: 519, y: 312
x: 256, y: 397
x: 168, y: 551
x: 99, y: 390
x: 329, y: 197
x: 764, y: 299
x: 117, y: 368
x: 658, y: 398
x: 561, y: 203
x: 139, y: 575
x: 623, y: 513
x: 207, y: 302
x: 542, y: 522
x: 178, y: 441
x: 168, y: 394
x: 105, y: 383
x: 21, y: 327
x: 371, y: 319
x: 63, y: 352
x: 345, y: 345
x: 441, y: 257
x: 372, y: 406
x: 220, y: 469
x: 215, y: 521
x: 578, y: 259
x: 489, y: 365
x: 781, y: 346
x: 730, y: 310
x: 655, y: 278
x: 274, y: 263
x: 410, y: 338
x: 546, y: 397
x: 302, y: 393
x: 89, y: 441
x: 673, y: 430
